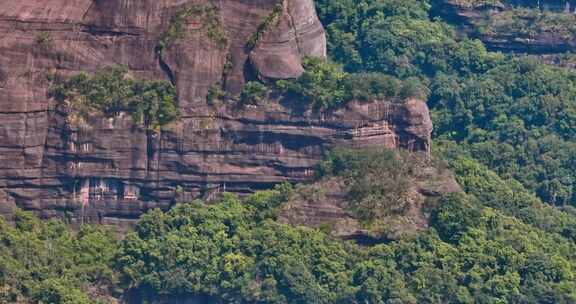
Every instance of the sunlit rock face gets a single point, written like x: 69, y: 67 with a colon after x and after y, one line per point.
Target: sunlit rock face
x: 111, y: 170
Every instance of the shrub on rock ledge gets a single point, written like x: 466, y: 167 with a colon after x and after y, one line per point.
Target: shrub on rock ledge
x: 253, y: 92
x: 112, y: 90
x: 325, y: 84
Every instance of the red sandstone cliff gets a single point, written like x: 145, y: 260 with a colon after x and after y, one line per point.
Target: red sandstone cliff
x: 110, y: 170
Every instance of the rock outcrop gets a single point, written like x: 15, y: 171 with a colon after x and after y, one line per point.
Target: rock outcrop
x: 554, y: 39
x: 298, y: 33
x: 326, y: 205
x: 111, y: 170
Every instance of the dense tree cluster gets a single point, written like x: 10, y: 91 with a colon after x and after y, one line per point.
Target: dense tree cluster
x: 519, y: 119
x: 112, y: 90
x: 325, y: 85
x: 397, y: 37
x: 44, y: 262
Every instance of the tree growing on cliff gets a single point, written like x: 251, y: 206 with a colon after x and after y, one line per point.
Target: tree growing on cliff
x: 324, y: 85
x: 321, y: 85
x: 253, y: 93
x: 45, y: 262
x: 112, y: 90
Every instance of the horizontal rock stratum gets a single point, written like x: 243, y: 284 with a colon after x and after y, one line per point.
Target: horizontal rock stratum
x: 508, y: 34
x: 111, y: 170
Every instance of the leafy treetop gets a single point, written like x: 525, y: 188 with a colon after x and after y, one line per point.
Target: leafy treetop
x: 112, y: 90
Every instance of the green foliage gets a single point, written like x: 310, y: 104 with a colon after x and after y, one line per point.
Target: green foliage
x: 321, y: 85
x: 215, y: 93
x: 44, y: 40
x: 44, y: 262
x: 491, y: 258
x: 509, y: 196
x: 230, y: 252
x: 518, y: 119
x: 369, y: 86
x: 271, y: 20
x: 325, y: 85
x: 378, y: 180
x: 454, y: 215
x: 397, y: 37
x: 206, y: 15
x: 112, y: 90
x: 58, y: 291
x: 413, y: 88
x: 234, y: 252
x: 543, y: 5
x: 253, y: 93
x: 546, y: 224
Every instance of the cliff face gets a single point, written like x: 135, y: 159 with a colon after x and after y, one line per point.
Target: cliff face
x: 516, y: 26
x: 110, y: 170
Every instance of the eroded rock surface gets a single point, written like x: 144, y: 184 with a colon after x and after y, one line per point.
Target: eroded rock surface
x: 545, y: 41
x: 110, y: 170
x: 298, y: 33
x: 326, y: 205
